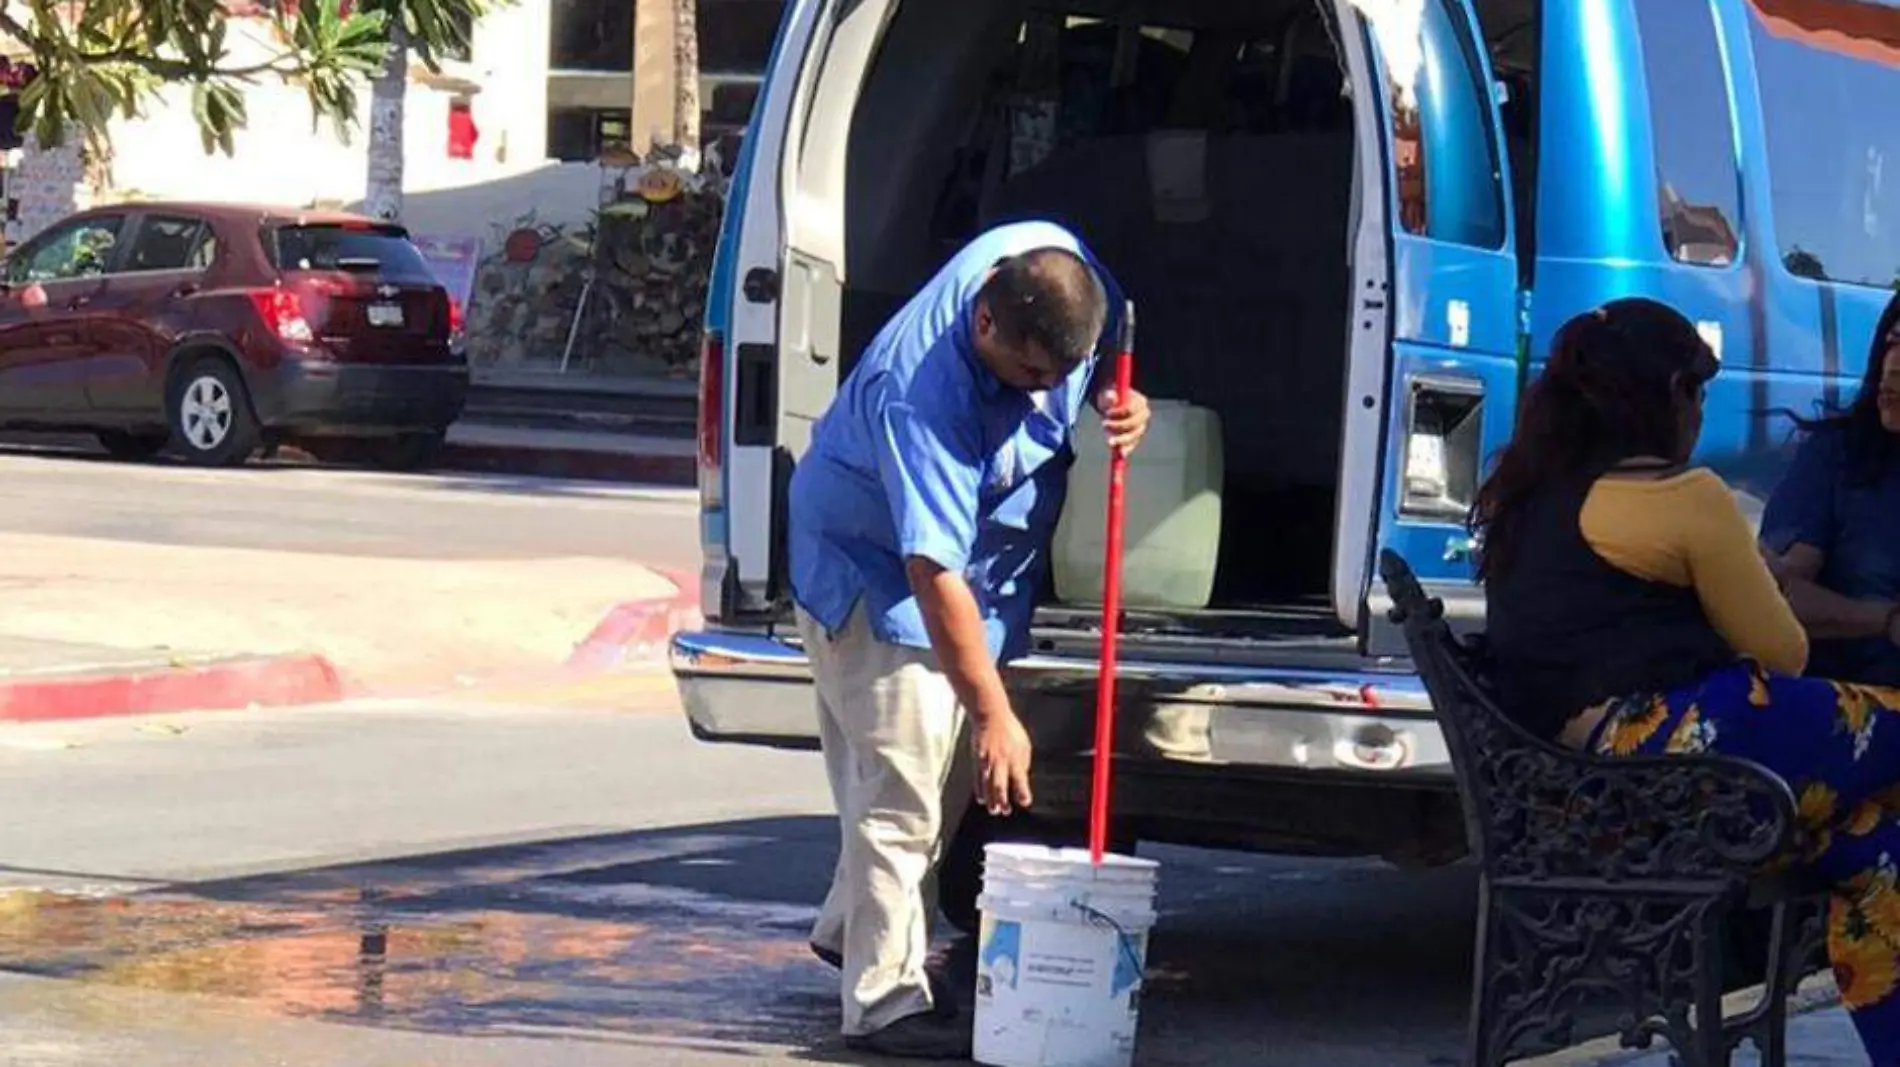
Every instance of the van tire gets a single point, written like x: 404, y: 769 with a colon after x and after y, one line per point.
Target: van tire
x: 210, y: 413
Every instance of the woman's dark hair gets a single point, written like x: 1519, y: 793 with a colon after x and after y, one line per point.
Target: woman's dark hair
x: 1870, y: 448
x: 1611, y: 391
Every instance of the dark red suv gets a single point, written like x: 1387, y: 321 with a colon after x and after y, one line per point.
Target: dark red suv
x: 218, y: 329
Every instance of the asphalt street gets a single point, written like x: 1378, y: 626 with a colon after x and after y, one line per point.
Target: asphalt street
x: 301, y: 508
x: 545, y: 876
x: 525, y: 884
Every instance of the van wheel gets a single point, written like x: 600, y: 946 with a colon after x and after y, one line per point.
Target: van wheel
x: 211, y: 415
x: 130, y: 447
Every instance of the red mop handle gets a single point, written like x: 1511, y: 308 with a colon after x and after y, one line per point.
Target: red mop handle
x: 1111, y: 601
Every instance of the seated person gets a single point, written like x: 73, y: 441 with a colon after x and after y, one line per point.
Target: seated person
x: 1833, y: 525
x: 1630, y: 611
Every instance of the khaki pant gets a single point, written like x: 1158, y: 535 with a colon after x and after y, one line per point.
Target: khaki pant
x: 901, y: 774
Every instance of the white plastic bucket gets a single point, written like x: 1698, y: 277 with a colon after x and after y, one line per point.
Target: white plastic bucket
x: 1059, y: 957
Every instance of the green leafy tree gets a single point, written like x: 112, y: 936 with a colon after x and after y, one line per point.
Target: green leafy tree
x: 105, y: 59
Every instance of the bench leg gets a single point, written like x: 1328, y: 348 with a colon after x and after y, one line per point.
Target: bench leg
x: 1544, y: 956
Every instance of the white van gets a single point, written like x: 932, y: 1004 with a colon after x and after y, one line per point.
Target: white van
x: 1316, y: 206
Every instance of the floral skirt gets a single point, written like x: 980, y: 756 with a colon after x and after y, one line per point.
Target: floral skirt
x: 1838, y: 747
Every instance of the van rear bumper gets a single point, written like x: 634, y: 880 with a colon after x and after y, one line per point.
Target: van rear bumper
x: 749, y: 687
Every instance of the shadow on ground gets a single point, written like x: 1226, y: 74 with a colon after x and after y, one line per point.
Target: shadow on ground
x: 691, y: 933
x: 696, y: 935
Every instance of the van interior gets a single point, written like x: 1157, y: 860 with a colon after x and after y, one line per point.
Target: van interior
x: 1205, y: 151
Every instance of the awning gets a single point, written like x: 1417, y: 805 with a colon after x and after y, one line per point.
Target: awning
x: 1864, y: 29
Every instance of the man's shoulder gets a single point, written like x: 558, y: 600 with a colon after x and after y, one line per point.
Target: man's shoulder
x: 1027, y: 235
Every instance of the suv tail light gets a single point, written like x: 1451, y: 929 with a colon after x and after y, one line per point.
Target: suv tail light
x: 712, y: 415
x: 282, y: 313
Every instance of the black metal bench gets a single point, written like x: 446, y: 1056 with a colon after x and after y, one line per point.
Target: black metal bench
x: 1609, y: 881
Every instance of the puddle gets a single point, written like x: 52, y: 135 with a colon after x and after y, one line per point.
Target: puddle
x: 447, y: 953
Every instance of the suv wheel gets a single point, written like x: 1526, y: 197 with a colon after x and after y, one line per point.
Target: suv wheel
x: 129, y: 447
x: 211, y: 415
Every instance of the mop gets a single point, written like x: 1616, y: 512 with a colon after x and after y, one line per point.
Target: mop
x: 1111, y: 602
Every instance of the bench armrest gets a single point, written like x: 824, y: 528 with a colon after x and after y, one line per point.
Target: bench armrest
x: 1555, y: 813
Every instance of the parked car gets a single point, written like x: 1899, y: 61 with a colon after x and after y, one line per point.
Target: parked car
x: 1355, y: 278
x: 220, y: 329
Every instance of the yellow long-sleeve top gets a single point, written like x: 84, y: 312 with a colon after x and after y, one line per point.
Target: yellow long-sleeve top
x: 1686, y: 530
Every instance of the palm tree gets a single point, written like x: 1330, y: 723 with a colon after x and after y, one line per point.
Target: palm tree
x: 686, y: 71
x: 430, y: 29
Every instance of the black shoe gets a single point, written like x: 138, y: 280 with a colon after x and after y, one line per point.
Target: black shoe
x: 834, y: 960
x: 928, y: 1036
x: 943, y: 1000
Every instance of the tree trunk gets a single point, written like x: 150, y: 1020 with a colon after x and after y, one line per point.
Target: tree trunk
x: 686, y: 70
x: 382, y: 198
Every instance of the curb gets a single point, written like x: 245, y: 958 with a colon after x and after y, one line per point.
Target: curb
x: 681, y: 471
x: 635, y: 635
x: 251, y: 681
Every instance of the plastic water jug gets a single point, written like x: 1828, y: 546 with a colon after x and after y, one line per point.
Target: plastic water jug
x: 1171, y: 536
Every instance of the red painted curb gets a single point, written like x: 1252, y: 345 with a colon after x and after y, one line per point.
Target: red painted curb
x: 635, y: 634
x: 256, y: 681
x: 571, y: 463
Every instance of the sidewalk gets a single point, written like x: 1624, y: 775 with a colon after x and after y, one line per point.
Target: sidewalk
x: 1819, y: 1035
x: 93, y: 627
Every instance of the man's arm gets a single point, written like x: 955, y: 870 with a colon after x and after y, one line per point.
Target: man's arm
x: 930, y: 462
x: 957, y: 636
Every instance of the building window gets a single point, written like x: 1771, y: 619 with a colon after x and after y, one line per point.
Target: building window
x: 735, y: 36
x: 1699, y: 202
x: 1446, y: 153
x: 582, y: 135
x: 1833, y: 150
x: 592, y: 35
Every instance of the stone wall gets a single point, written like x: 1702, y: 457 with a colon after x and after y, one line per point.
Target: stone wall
x: 621, y: 295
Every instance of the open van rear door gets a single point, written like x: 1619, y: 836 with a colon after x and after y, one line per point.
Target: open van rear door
x: 1452, y: 310
x: 787, y: 301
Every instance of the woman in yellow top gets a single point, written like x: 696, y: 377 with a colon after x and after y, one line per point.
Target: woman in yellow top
x: 1630, y: 611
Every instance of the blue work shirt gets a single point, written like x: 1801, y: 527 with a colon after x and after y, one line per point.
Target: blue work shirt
x: 925, y: 452
x: 1823, y: 502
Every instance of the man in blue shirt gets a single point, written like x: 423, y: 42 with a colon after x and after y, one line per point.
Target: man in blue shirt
x: 920, y: 520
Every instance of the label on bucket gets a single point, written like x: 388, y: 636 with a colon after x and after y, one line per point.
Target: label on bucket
x: 1057, y: 994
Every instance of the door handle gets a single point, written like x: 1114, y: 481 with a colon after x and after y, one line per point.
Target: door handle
x: 78, y: 302
x: 186, y: 289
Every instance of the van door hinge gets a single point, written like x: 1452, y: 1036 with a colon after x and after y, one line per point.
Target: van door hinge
x: 761, y: 285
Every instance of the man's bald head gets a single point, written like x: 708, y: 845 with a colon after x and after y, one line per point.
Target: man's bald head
x: 1046, y: 306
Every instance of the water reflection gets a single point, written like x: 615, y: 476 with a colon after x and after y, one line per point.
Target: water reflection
x: 684, y: 942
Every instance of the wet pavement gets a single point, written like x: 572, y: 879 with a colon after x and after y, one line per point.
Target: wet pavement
x: 523, y: 884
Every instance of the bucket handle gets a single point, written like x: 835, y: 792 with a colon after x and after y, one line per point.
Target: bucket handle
x: 1123, y: 938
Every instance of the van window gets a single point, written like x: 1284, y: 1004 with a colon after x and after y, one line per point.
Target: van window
x: 1445, y: 154
x: 1833, y: 147
x: 1699, y: 201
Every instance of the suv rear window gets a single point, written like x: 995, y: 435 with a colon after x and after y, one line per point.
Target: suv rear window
x: 385, y: 250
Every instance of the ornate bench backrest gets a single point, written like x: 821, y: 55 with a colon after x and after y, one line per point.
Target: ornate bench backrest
x: 1535, y: 809
x: 1478, y: 733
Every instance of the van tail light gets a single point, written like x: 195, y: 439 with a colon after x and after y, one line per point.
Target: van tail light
x: 283, y: 315
x: 712, y: 415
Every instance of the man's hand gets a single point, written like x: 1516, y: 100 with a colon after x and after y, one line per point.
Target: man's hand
x: 1125, y: 423
x: 1002, y: 764
x: 956, y: 634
